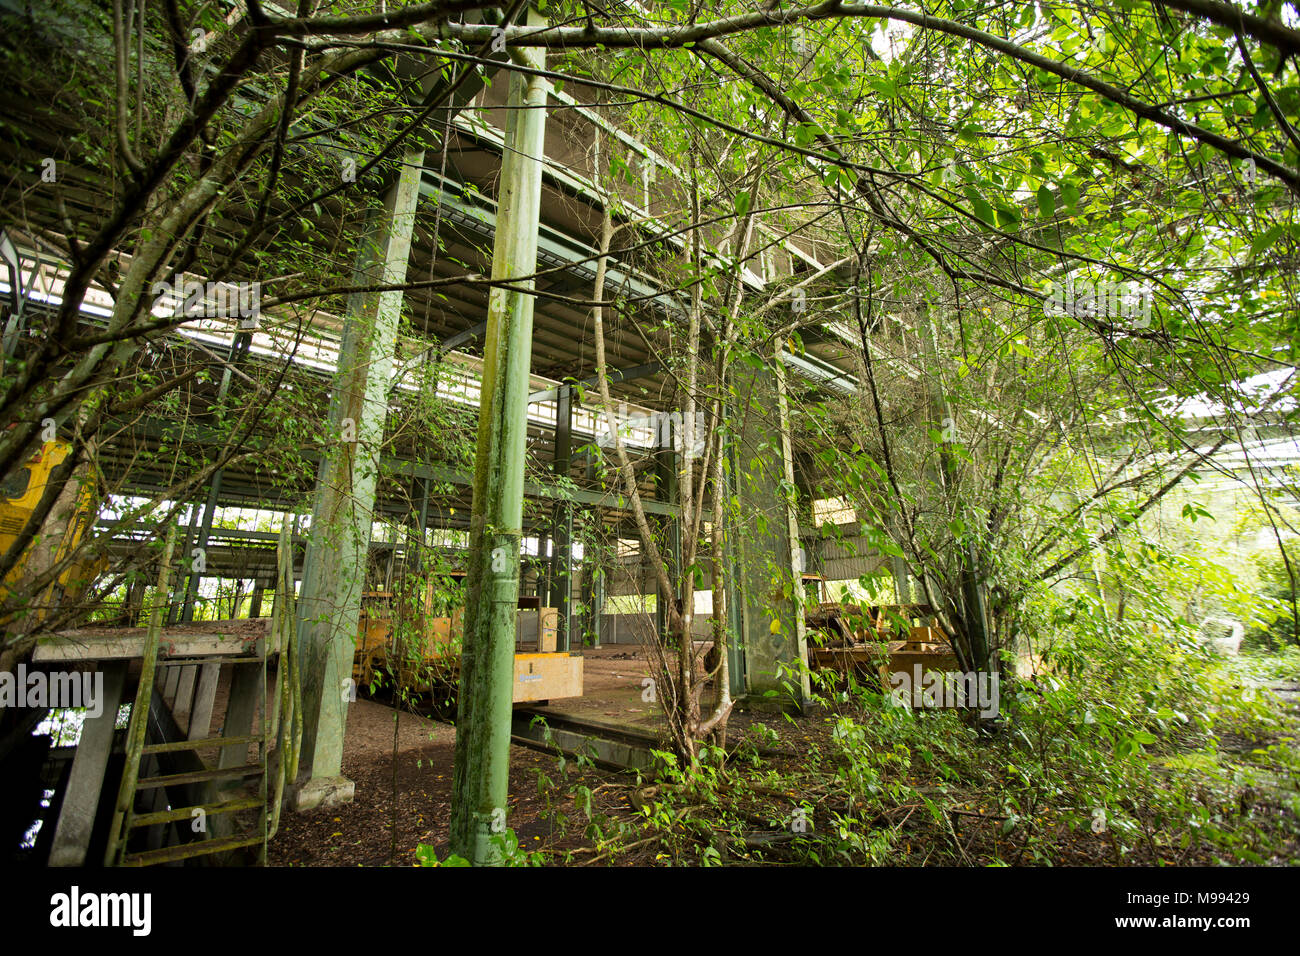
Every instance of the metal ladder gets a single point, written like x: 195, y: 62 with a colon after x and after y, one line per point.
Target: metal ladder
x: 287, y: 727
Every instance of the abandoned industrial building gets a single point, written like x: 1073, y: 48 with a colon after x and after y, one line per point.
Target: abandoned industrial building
x: 652, y: 434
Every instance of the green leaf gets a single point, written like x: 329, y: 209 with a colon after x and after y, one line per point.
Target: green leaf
x: 885, y: 87
x: 1046, y: 202
x: 1070, y: 194
x: 1265, y: 239
x: 805, y: 133
x: 980, y: 206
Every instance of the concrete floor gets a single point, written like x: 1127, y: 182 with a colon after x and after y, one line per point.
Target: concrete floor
x: 615, y: 689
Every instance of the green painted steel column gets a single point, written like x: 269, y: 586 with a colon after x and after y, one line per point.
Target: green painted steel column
x: 798, y: 638
x: 768, y: 546
x: 667, y: 468
x: 481, y: 780
x: 334, y: 567
x: 735, y: 595
x: 562, y: 530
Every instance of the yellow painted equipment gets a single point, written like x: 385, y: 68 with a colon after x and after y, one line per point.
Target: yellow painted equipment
x: 431, y: 658
x: 870, y: 640
x: 19, y: 497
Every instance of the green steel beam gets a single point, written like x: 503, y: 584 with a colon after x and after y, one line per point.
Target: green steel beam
x: 391, y: 466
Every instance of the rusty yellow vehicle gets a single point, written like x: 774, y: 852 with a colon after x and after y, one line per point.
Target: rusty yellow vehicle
x: 425, y: 657
x: 423, y: 650
x: 20, y: 494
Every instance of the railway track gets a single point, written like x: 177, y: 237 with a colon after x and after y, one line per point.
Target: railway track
x: 609, y: 746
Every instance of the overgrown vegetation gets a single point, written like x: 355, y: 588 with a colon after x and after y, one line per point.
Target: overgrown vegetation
x: 1133, y: 744
x: 1037, y: 261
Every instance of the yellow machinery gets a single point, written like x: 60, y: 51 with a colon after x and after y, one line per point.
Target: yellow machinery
x: 880, y: 640
x: 430, y: 643
x: 19, y: 496
x: 430, y: 658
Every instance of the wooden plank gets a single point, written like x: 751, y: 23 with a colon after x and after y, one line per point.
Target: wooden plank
x: 170, y: 684
x: 246, y: 694
x: 171, y: 854
x: 81, y: 802
x: 185, y: 694
x: 183, y: 662
x: 178, y: 745
x: 200, y: 776
x: 187, y: 813
x: 126, y: 643
x: 204, y: 700
x: 547, y: 677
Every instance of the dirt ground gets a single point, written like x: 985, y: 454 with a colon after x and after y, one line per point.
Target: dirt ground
x: 613, y: 686
x: 362, y: 833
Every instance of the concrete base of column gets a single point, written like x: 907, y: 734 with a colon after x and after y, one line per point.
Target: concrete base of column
x: 782, y: 703
x: 320, y: 792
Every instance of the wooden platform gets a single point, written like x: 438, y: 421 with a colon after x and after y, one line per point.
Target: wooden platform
x: 885, y: 657
x: 199, y: 639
